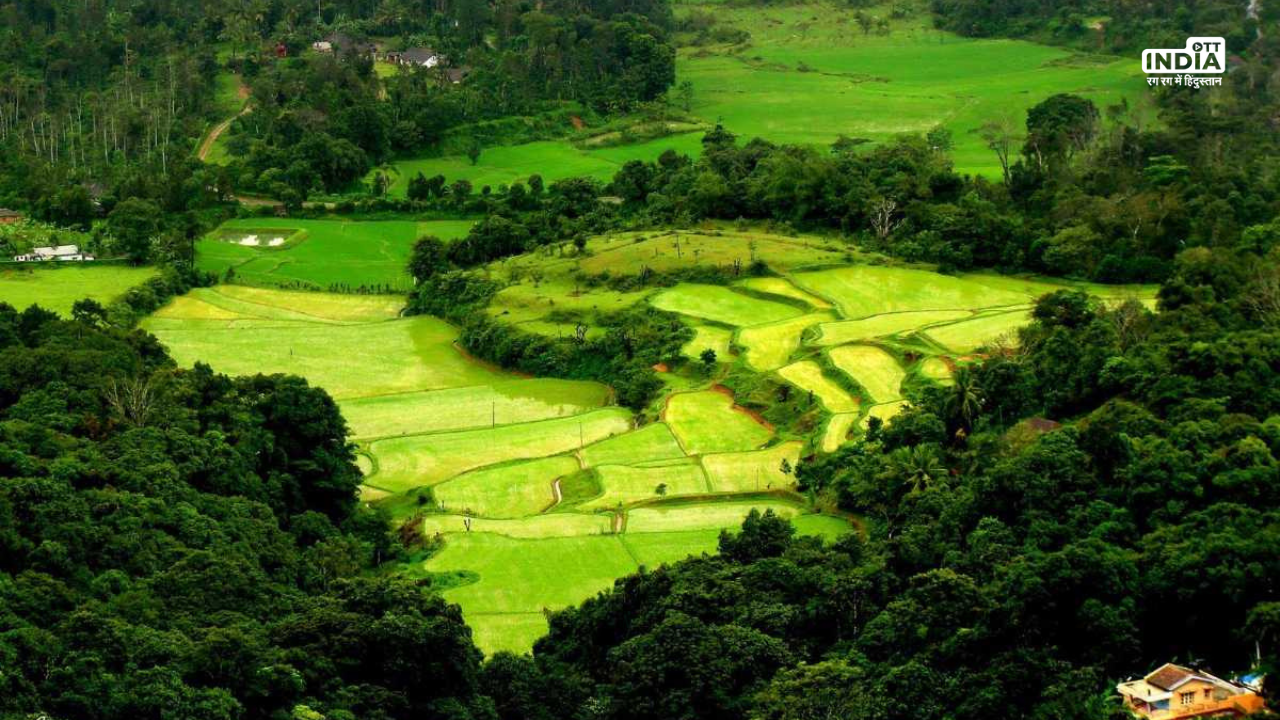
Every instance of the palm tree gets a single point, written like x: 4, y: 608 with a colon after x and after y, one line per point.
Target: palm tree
x: 964, y: 401
x: 918, y: 467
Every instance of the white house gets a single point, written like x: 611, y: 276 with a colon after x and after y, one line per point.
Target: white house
x: 57, y: 252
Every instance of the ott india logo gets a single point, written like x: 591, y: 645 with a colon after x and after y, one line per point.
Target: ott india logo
x: 1202, y: 56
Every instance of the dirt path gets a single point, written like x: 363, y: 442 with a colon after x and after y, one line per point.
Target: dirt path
x: 206, y: 145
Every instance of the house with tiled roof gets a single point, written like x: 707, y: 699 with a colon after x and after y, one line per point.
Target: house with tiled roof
x: 1172, y: 692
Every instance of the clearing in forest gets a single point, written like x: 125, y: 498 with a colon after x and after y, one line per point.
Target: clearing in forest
x: 319, y: 254
x: 57, y: 288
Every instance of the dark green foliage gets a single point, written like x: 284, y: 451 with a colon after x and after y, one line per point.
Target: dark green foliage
x: 453, y: 295
x: 430, y: 256
x: 634, y: 341
x: 183, y: 544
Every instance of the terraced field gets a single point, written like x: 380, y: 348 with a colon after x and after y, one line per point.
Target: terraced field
x: 542, y: 491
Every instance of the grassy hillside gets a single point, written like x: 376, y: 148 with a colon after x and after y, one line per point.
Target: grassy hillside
x: 317, y: 254
x: 809, y: 73
x: 56, y: 288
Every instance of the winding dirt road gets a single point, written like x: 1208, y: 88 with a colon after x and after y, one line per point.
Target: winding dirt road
x: 206, y: 145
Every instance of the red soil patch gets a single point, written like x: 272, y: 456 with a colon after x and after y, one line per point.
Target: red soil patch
x: 577, y: 122
x: 661, y: 367
x: 717, y: 388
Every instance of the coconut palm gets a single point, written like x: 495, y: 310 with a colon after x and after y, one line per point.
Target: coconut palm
x: 964, y: 401
x: 917, y: 467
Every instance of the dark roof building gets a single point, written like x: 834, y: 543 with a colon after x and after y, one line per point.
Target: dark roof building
x: 421, y: 56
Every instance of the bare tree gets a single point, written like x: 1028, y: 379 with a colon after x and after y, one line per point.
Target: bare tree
x: 884, y: 218
x: 1001, y: 134
x: 131, y: 400
x: 1263, y: 294
x: 1129, y: 319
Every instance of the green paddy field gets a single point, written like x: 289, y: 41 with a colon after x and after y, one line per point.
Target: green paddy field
x: 318, y: 254
x: 57, y: 287
x: 543, y: 490
x: 809, y: 74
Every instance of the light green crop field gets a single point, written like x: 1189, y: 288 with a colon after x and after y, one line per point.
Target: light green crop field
x: 936, y: 369
x: 809, y: 75
x: 631, y: 252
x: 702, y: 516
x: 624, y: 485
x: 755, y: 471
x: 807, y: 375
x: 349, y: 360
x: 653, y: 549
x: 969, y: 335
x: 552, y: 159
x: 708, y: 422
x: 769, y: 347
x: 529, y: 575
x: 780, y: 286
x: 711, y: 337
x: 885, y: 412
x: 506, y: 491
x: 244, y: 306
x: 497, y: 403
x: 862, y: 291
x: 875, y: 370
x: 720, y: 304
x: 526, y: 301
x: 536, y: 527
x: 319, y: 253
x: 847, y: 331
x: 498, y: 450
x: 58, y: 288
x: 416, y: 460
x: 648, y: 444
x: 837, y: 430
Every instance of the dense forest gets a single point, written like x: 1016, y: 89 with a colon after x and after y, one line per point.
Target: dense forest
x: 101, y: 103
x: 1108, y: 24
x: 179, y: 544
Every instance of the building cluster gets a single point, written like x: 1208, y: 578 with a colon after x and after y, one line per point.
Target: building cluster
x: 70, y: 253
x: 416, y: 57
